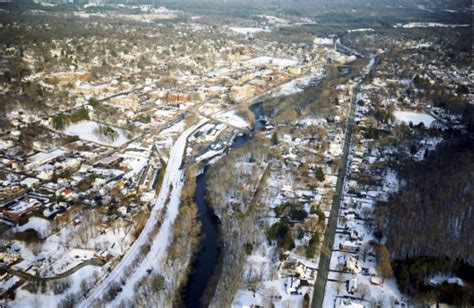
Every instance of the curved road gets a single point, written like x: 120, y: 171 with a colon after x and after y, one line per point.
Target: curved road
x: 174, y: 165
x: 30, y: 277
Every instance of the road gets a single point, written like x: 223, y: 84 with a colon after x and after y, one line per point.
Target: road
x: 329, y: 236
x: 172, y: 171
x: 30, y: 277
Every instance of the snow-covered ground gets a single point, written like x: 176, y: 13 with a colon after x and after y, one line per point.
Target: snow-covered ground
x: 297, y: 85
x: 430, y: 25
x: 172, y: 184
x: 385, y: 293
x: 88, y: 130
x: 275, y: 20
x: 413, y: 117
x: 57, y: 253
x: 371, y: 64
x: 346, y: 265
x: 263, y: 265
x: 248, y: 30
x: 167, y: 135
x: 232, y: 119
x: 23, y: 298
x: 265, y: 60
x: 136, y: 165
x: 210, y: 154
x: 40, y: 225
x: 361, y: 30
x: 323, y: 41
x: 443, y: 278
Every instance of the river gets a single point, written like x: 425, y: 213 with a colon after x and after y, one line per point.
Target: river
x: 207, y: 261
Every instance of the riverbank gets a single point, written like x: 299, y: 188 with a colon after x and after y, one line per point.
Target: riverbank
x: 208, y: 262
x: 207, y: 252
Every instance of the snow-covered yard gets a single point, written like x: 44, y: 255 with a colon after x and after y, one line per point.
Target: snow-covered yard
x: 89, y: 131
x: 413, y: 117
x: 24, y: 298
x: 262, y: 265
x: 40, y: 225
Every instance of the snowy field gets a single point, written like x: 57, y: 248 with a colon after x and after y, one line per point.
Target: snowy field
x: 249, y: 30
x: 87, y: 130
x: 265, y: 60
x: 275, y: 20
x: 431, y: 25
x: 293, y: 87
x: 413, y: 117
x: 323, y: 41
x: 209, y: 154
x: 40, y: 225
x: 361, y: 30
x: 232, y: 119
x: 296, y: 85
x: 25, y: 299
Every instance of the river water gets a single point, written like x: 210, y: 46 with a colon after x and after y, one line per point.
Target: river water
x: 207, y: 261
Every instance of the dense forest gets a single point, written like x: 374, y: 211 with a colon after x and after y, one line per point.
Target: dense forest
x: 428, y: 224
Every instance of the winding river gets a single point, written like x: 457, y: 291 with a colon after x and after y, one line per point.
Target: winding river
x: 207, y: 261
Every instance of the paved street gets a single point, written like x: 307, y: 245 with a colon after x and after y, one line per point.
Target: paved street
x: 326, y: 250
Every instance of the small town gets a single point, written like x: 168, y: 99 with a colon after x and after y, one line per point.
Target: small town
x: 219, y: 155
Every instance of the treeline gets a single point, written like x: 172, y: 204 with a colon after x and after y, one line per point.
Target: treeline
x: 318, y: 100
x: 432, y: 216
x: 231, y: 184
x: 413, y: 276
x: 61, y: 120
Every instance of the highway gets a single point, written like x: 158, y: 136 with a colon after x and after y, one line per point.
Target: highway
x: 172, y: 171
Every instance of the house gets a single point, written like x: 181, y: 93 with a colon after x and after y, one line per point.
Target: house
x: 352, y: 265
x: 126, y: 101
x: 67, y: 193
x: 16, y: 209
x: 287, y: 189
x: 174, y: 97
x: 347, y: 303
x: 242, y: 92
x: 349, y: 246
x: 306, y: 271
x: 375, y: 281
x: 352, y: 285
x: 29, y: 182
x: 45, y: 172
x: 292, y: 285
x: 103, y: 255
x: 44, y: 157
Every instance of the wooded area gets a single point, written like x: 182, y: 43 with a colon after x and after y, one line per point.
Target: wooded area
x: 430, y: 220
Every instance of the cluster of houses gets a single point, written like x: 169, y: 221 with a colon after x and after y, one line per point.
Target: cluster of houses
x: 355, y: 279
x: 304, y: 178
